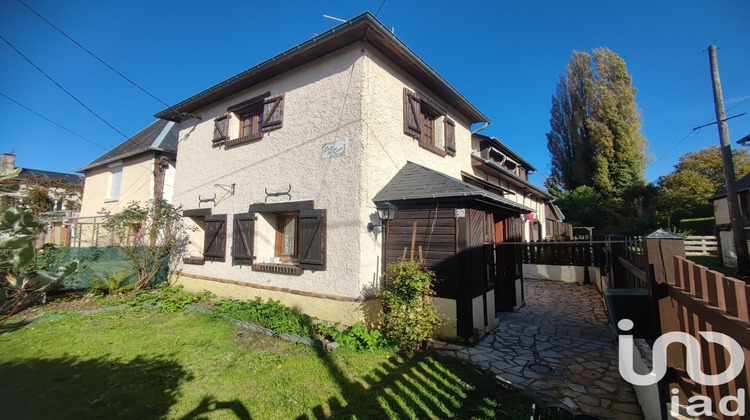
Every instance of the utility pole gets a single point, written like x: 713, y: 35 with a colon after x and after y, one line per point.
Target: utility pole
x: 738, y: 228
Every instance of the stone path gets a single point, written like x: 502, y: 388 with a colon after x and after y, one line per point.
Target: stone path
x: 559, y: 350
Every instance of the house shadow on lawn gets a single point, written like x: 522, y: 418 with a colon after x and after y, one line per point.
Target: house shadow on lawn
x: 420, y: 387
x: 73, y: 388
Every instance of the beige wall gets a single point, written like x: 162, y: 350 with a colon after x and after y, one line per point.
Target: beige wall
x: 355, y: 95
x: 322, y: 104
x: 136, y: 185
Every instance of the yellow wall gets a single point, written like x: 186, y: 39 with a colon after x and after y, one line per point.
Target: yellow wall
x: 136, y: 185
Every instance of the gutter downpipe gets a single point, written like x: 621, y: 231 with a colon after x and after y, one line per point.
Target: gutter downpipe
x: 486, y: 123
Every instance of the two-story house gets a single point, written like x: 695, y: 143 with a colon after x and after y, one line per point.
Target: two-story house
x: 139, y: 169
x: 283, y: 168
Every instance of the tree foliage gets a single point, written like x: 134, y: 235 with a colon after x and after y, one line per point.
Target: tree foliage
x: 697, y: 176
x: 20, y: 283
x: 150, y: 235
x: 594, y: 138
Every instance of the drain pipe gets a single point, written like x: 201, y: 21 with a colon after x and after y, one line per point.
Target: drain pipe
x: 486, y: 123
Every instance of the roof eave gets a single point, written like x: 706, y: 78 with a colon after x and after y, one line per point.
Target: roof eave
x: 364, y: 27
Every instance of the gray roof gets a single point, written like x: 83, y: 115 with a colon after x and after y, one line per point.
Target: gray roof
x: 415, y: 182
x: 159, y: 136
x: 362, y: 28
x: 25, y: 172
x: 507, y: 150
x: 742, y: 184
x: 518, y: 179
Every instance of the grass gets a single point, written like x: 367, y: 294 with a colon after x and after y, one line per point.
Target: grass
x: 145, y: 363
x: 713, y: 262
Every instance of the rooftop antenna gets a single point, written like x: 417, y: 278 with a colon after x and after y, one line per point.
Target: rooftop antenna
x: 334, y: 18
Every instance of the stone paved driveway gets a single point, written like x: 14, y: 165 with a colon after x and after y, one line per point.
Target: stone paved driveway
x: 559, y: 350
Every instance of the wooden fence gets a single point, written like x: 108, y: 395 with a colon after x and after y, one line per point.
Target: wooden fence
x: 579, y: 253
x: 701, y: 245
x: 708, y: 301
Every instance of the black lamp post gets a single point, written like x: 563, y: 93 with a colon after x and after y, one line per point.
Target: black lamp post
x: 386, y: 212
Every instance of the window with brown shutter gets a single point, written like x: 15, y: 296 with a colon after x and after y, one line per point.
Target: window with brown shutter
x: 412, y: 113
x: 312, y: 239
x: 287, y: 238
x: 214, y: 244
x: 221, y: 126
x: 243, y: 238
x: 273, y: 113
x: 450, y: 137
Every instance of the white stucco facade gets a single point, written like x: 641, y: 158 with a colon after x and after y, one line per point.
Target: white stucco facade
x: 352, y: 97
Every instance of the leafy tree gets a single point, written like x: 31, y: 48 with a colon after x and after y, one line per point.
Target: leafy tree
x: 697, y: 176
x: 595, y: 126
x: 20, y: 284
x: 149, y: 235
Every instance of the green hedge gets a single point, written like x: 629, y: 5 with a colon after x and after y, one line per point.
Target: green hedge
x: 701, y: 227
x: 100, y: 262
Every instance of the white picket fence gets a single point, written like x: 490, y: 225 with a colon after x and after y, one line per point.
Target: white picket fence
x: 701, y: 245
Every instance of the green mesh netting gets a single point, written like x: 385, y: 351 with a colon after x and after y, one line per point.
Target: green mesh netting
x: 98, y: 263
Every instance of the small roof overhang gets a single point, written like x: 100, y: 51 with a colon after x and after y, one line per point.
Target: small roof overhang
x: 418, y: 183
x: 492, y: 168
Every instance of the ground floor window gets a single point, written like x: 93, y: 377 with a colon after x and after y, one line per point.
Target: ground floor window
x: 286, y: 237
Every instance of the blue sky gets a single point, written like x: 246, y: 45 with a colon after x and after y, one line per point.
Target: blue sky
x: 504, y: 56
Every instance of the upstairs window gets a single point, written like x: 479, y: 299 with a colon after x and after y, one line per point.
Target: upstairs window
x: 248, y: 120
x: 420, y: 117
x: 115, y: 180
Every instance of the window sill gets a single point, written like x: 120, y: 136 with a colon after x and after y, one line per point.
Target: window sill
x: 434, y: 149
x: 194, y: 260
x: 278, y: 268
x: 112, y: 200
x: 243, y: 140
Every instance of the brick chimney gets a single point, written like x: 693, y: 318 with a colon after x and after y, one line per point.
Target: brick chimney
x: 9, y: 162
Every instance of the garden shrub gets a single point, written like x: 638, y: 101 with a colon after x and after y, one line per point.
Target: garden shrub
x: 703, y: 226
x: 169, y: 298
x: 409, y: 317
x: 357, y: 337
x: 272, y: 315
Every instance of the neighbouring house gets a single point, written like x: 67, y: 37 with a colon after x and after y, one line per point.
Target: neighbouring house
x: 497, y: 164
x: 61, y: 199
x: 54, y: 197
x: 139, y: 169
x: 723, y: 228
x: 284, y: 166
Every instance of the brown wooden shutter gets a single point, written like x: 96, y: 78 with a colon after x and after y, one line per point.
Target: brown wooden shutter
x: 412, y: 112
x: 242, y: 239
x: 273, y: 113
x: 450, y: 137
x: 221, y: 128
x: 312, y: 237
x: 215, y: 241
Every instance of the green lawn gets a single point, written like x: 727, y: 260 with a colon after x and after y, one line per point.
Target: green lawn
x: 141, y: 363
x: 713, y: 262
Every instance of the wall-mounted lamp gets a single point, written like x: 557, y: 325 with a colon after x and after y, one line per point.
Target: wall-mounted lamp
x: 386, y: 212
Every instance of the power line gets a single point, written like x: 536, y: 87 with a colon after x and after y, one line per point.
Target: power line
x: 376, y: 13
x: 96, y: 57
x: 42, y: 116
x: 697, y: 129
x: 63, y: 89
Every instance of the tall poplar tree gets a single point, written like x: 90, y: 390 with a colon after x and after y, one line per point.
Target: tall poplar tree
x: 594, y: 137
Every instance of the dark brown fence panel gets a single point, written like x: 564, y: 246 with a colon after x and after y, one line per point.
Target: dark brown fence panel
x: 709, y: 301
